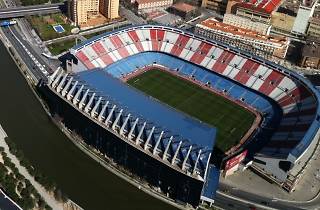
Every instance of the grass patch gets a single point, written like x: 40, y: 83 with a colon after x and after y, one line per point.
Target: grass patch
x: 43, y: 26
x: 60, y: 47
x: 231, y: 120
x: 88, y: 36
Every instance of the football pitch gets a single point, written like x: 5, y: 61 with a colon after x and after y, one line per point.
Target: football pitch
x: 231, y: 120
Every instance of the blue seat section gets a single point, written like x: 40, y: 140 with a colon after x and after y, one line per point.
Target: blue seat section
x: 184, y: 68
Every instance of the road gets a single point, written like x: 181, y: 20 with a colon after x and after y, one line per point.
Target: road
x: 30, y: 10
x: 33, y: 60
x: 129, y: 15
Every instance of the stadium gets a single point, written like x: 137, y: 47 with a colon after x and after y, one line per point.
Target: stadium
x: 165, y: 104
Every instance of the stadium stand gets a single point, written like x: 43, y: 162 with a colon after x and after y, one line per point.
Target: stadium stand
x: 287, y: 101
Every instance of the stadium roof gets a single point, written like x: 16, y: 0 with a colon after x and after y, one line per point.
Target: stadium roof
x: 146, y: 107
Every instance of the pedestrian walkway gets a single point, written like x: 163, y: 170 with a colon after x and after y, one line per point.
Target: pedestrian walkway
x: 50, y: 200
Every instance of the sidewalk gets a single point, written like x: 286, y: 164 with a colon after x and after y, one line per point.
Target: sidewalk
x: 307, y: 190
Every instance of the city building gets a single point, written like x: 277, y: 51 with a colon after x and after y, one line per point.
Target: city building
x: 245, y: 23
x: 81, y: 11
x: 184, y: 10
x: 109, y: 8
x: 282, y: 22
x: 151, y: 4
x: 216, y: 5
x: 310, y: 56
x: 314, y: 23
x: 301, y: 23
x: 251, y: 41
x: 255, y: 10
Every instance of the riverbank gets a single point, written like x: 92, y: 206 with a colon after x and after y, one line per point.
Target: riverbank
x: 112, y: 189
x: 48, y: 197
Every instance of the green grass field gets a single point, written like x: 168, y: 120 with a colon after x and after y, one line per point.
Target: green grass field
x: 231, y: 120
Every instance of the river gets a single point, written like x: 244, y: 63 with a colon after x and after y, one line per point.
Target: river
x: 81, y: 178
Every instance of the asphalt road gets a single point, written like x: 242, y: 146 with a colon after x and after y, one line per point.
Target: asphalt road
x: 33, y: 60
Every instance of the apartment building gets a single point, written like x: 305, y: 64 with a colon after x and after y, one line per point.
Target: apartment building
x: 251, y: 41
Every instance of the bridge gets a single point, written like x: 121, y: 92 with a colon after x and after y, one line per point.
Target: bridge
x: 22, y: 11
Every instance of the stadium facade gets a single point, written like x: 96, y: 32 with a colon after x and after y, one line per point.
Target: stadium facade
x: 173, y: 153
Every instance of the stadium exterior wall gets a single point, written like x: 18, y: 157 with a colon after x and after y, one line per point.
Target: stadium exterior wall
x: 301, y: 151
x: 172, y: 183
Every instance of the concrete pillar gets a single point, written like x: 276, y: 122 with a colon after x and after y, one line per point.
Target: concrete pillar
x: 53, y: 76
x: 65, y: 89
x: 75, y: 98
x: 93, y: 111
x: 57, y: 79
x: 81, y: 104
x: 207, y: 166
x: 186, y: 158
x: 71, y: 91
x: 167, y: 148
x: 176, y: 153
x: 141, y: 132
x: 124, y: 124
x: 148, y: 139
x: 196, y: 163
x: 59, y: 87
x: 132, y: 128
x: 117, y: 120
x: 158, y: 142
x: 102, y: 111
x: 110, y: 115
x: 86, y: 109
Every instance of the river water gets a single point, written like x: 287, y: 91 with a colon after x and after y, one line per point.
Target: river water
x: 81, y: 178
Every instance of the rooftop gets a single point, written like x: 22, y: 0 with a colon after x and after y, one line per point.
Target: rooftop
x: 212, y: 23
x: 147, y: 1
x: 184, y: 7
x: 145, y: 107
x: 263, y: 6
x: 311, y: 49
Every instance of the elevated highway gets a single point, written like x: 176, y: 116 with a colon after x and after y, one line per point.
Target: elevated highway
x: 22, y: 11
